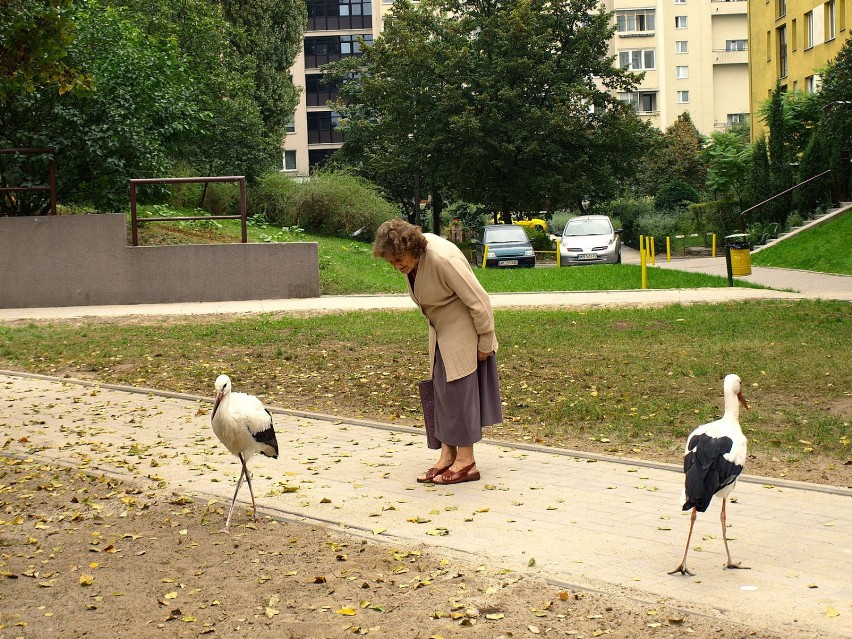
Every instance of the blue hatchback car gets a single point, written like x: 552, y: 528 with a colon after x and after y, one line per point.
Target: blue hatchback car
x: 508, y: 246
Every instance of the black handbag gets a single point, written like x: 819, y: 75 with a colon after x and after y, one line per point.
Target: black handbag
x: 427, y: 401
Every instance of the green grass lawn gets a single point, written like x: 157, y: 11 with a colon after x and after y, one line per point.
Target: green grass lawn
x: 824, y: 248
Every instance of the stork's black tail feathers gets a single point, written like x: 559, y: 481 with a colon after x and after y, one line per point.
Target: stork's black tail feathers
x: 267, y: 436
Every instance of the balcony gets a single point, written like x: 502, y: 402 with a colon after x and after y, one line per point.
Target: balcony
x: 721, y: 56
x: 728, y: 7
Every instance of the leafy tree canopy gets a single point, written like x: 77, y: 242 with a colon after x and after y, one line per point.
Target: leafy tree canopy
x: 501, y: 102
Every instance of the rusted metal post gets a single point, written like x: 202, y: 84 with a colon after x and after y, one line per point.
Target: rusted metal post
x: 133, y: 232
x: 53, y: 185
x: 243, y: 209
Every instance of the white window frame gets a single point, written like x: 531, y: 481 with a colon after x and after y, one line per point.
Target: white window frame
x: 289, y: 155
x: 634, y: 98
x: 683, y: 97
x: 809, y: 30
x: 681, y: 22
x: 624, y: 18
x: 682, y: 44
x: 631, y: 56
x: 682, y: 72
x: 830, y: 20
x: 739, y: 44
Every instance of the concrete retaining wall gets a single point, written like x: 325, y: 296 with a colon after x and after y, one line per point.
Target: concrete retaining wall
x: 84, y: 260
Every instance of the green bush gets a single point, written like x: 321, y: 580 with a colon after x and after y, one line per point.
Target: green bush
x: 628, y: 211
x: 658, y: 225
x: 721, y: 217
x: 674, y: 194
x: 540, y: 241
x: 329, y: 203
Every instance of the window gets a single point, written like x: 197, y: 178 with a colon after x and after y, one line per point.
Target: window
x: 682, y: 72
x: 780, y: 8
x: 680, y: 22
x: 736, y: 45
x: 841, y: 14
x: 324, y: 49
x: 768, y: 46
x: 683, y: 97
x: 635, y: 21
x: 813, y: 83
x: 322, y: 127
x: 637, y: 59
x: 782, y: 51
x: 291, y: 125
x: 794, y: 34
x: 289, y: 161
x: 809, y: 29
x: 319, y: 90
x: 328, y: 15
x: 642, y: 101
x: 681, y: 46
x: 830, y: 21
x: 680, y: 1
x: 318, y: 157
x: 737, y: 118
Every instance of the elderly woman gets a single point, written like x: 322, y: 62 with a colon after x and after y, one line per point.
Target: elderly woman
x: 462, y: 343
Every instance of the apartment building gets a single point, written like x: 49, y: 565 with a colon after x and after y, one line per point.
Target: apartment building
x: 694, y: 54
x: 791, y: 41
x: 332, y: 33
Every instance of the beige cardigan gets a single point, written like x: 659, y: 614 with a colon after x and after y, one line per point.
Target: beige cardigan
x: 461, y: 320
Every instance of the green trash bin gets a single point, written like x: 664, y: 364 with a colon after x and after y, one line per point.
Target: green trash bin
x: 740, y: 252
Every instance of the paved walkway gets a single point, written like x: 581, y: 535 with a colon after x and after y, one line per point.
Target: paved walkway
x: 587, y: 521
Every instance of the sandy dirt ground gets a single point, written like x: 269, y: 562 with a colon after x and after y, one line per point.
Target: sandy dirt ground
x: 84, y: 555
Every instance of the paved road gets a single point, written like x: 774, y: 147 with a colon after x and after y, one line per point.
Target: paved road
x: 587, y: 521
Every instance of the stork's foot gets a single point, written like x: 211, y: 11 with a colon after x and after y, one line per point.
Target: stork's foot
x: 682, y: 569
x: 226, y: 530
x: 730, y: 564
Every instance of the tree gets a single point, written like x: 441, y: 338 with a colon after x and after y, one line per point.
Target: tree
x: 502, y: 102
x: 141, y: 108
x: 729, y: 161
x: 34, y: 36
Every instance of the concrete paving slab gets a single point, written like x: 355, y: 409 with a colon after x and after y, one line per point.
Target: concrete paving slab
x: 586, y: 520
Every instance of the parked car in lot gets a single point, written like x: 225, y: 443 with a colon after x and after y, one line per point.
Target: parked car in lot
x: 590, y: 239
x: 508, y: 246
x: 536, y: 224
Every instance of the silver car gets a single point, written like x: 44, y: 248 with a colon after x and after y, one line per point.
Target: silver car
x: 590, y: 239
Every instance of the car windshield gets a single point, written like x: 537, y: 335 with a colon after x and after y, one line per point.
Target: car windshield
x: 587, y: 227
x: 507, y: 234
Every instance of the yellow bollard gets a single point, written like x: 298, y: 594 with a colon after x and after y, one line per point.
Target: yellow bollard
x: 641, y: 244
x: 714, y: 245
x: 668, y: 249
x: 642, y: 260
x: 558, y: 254
x: 653, y: 252
x: 484, y: 255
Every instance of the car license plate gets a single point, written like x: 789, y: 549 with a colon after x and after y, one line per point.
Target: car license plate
x: 507, y: 263
x: 587, y: 256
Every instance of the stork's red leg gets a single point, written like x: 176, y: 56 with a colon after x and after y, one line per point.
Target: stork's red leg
x: 251, y: 492
x: 682, y: 569
x: 227, y: 527
x: 730, y: 563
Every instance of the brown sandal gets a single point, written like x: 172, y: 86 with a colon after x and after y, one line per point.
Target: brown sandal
x: 458, y: 476
x: 431, y: 474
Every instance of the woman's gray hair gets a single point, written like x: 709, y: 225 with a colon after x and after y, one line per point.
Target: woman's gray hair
x: 396, y: 238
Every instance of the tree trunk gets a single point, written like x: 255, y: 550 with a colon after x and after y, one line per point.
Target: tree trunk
x: 437, y: 209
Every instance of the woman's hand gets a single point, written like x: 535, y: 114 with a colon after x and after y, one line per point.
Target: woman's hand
x: 483, y: 356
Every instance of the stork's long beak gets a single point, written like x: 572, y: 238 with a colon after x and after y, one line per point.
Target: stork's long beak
x: 216, y: 404
x: 739, y: 397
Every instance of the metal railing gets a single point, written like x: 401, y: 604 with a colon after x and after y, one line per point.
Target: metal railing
x: 135, y: 220
x: 834, y: 194
x: 50, y: 187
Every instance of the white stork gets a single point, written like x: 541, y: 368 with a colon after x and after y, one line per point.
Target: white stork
x: 244, y: 426
x: 714, y: 457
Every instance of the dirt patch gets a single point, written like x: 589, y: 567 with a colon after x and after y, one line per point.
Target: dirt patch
x: 89, y: 556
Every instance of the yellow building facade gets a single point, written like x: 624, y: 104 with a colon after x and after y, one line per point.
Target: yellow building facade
x: 790, y: 41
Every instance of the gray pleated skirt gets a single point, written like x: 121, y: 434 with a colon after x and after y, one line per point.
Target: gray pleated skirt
x: 464, y: 406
